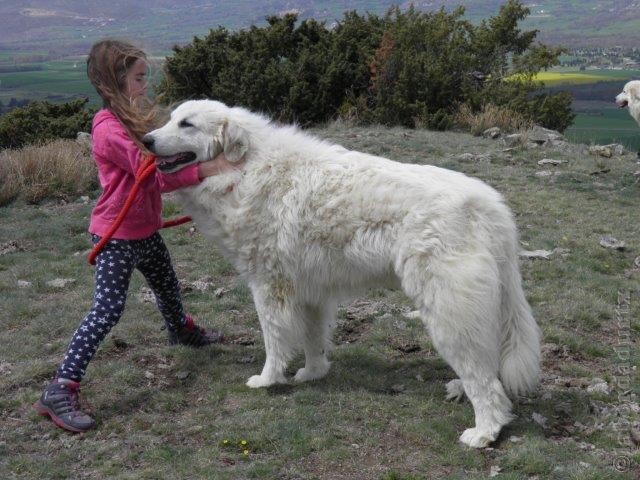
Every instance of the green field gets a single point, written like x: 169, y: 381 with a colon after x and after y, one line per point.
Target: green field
x: 59, y: 80
x: 603, y: 123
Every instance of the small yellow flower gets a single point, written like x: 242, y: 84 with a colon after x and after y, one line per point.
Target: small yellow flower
x: 246, y: 452
x: 225, y: 442
x: 243, y: 442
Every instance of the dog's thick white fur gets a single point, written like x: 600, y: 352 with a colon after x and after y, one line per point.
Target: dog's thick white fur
x: 309, y: 224
x: 630, y: 97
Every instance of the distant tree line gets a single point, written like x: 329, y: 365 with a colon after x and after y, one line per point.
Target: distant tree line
x: 406, y: 68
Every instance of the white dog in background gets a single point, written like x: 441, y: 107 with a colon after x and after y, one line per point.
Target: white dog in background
x: 630, y: 97
x: 309, y: 224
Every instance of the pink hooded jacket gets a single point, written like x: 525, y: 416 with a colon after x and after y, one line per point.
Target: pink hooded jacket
x: 118, y: 159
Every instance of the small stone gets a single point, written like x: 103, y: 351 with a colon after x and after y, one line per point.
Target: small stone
x: 84, y: 199
x: 148, y: 374
x: 494, y: 471
x: 219, y: 292
x: 551, y: 161
x: 514, y: 439
x: 598, y: 385
x: 513, y: 140
x: 608, y: 241
x: 475, y: 158
x: 26, y: 284
x: 60, y: 282
x: 415, y: 313
x: 182, y: 375
x: 540, y: 419
x: 493, y: 133
x: 543, y: 254
x: 600, y: 150
x: 84, y: 139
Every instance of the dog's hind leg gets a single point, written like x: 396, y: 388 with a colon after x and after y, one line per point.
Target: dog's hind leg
x: 318, y: 324
x: 278, y: 316
x: 460, y: 301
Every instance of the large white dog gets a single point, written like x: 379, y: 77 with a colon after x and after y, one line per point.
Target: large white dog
x: 630, y: 97
x: 309, y: 224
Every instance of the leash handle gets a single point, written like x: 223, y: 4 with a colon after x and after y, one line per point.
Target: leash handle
x: 147, y: 167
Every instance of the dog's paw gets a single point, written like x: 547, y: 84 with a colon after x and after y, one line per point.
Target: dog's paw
x: 455, y: 390
x: 257, y: 381
x: 308, y: 374
x: 476, y: 438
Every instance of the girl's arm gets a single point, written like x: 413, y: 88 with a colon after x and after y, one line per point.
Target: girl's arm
x: 117, y: 146
x: 121, y: 150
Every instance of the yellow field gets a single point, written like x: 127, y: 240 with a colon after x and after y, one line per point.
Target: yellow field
x: 571, y: 78
x: 574, y: 77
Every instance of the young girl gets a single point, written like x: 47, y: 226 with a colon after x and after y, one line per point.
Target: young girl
x: 118, y: 72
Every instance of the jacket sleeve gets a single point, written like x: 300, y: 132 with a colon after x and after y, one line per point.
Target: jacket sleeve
x: 183, y: 178
x: 121, y: 150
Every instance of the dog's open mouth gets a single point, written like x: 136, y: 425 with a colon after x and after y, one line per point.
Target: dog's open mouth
x: 623, y: 104
x: 174, y: 162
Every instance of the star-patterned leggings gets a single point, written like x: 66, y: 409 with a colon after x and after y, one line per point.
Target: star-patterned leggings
x: 114, y: 266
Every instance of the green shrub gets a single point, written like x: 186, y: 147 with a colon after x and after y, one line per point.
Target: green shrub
x: 407, y: 68
x: 41, y: 121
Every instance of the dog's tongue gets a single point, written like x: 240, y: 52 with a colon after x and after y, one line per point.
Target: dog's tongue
x: 169, y: 159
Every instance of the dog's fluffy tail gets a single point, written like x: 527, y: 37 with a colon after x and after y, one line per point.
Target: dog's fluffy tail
x: 520, y: 354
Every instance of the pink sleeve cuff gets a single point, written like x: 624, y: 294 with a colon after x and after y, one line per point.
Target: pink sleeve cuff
x: 186, y: 177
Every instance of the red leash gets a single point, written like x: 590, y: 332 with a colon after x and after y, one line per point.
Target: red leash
x: 147, y: 168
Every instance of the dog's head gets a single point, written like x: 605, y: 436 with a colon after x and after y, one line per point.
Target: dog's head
x: 630, y: 94
x: 197, y: 131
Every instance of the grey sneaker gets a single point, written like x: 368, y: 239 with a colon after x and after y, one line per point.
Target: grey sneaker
x: 192, y: 335
x: 60, y: 402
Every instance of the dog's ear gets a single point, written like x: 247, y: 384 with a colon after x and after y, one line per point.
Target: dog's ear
x: 234, y: 141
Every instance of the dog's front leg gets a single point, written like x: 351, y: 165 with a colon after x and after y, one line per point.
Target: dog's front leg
x: 276, y: 314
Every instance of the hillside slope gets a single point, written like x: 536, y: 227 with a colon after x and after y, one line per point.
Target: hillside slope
x: 71, y: 25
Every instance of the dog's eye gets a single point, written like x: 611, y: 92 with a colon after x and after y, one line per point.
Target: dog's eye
x: 185, y: 124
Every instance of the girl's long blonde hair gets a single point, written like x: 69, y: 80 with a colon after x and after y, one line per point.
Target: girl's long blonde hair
x: 107, y: 66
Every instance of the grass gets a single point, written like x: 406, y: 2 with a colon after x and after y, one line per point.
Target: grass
x: 60, y: 168
x: 166, y: 412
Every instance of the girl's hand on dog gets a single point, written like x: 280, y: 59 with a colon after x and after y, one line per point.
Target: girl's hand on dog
x: 218, y: 165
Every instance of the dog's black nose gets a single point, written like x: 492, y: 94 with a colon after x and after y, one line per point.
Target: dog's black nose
x: 148, y: 141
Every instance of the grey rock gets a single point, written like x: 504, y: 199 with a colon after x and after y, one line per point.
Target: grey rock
x: 608, y: 241
x: 493, y: 133
x: 551, y: 161
x: 601, y: 151
x: 84, y: 139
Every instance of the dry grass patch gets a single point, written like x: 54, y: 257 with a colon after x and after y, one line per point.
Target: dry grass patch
x: 491, y: 116
x: 57, y: 169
